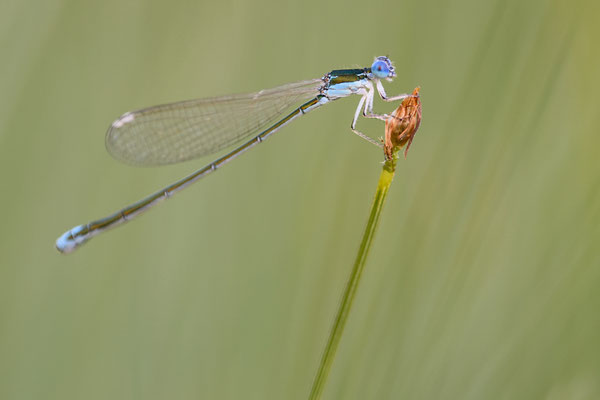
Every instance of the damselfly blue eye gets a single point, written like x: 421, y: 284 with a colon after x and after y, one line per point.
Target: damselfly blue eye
x: 381, y: 69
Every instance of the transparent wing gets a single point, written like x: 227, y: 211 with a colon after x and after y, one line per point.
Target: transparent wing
x: 175, y: 132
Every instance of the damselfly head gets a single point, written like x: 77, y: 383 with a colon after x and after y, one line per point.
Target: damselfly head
x: 382, y: 68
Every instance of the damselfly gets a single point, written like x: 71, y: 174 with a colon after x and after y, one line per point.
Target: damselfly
x: 180, y: 131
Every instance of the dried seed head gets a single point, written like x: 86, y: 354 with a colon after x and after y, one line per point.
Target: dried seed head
x: 401, y: 126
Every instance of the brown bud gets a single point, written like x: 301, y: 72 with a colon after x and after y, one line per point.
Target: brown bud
x: 401, y: 126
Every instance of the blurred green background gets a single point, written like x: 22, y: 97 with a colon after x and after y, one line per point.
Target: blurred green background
x: 483, y: 278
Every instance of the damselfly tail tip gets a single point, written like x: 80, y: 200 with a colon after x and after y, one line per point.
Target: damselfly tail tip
x: 70, y: 240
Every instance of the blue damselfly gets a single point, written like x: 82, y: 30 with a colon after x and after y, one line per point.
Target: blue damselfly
x: 180, y: 131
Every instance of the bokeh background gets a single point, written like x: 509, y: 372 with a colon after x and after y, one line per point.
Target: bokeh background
x: 483, y: 280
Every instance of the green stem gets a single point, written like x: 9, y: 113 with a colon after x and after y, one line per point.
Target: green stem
x: 385, y: 180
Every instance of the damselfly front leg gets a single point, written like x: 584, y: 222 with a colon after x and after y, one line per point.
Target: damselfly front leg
x: 368, y: 111
x: 366, y: 106
x: 384, y: 96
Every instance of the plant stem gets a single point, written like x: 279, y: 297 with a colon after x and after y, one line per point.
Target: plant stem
x: 385, y: 180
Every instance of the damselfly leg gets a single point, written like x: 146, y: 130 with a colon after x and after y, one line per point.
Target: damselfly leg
x: 366, y: 106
